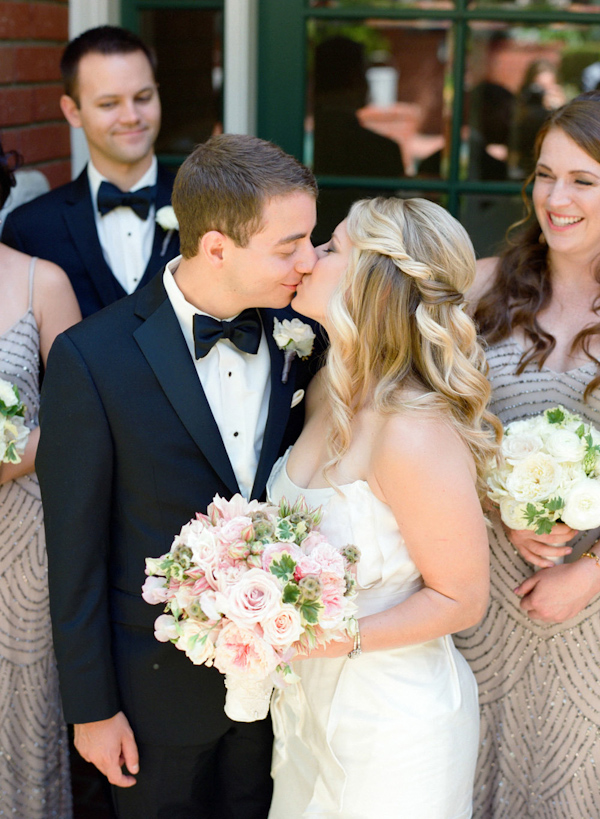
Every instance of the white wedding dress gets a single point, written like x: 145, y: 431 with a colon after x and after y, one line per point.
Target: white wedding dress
x: 386, y: 735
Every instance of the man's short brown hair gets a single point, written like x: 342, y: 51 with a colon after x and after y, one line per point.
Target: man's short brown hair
x: 225, y: 183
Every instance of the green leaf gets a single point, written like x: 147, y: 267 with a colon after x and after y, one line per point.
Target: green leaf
x: 310, y: 610
x: 555, y: 416
x: 291, y: 593
x: 554, y: 505
x: 580, y: 431
x: 285, y: 531
x: 283, y: 568
x: 544, y: 526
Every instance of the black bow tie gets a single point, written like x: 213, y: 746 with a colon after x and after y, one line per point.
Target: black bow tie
x: 110, y: 197
x: 244, y: 331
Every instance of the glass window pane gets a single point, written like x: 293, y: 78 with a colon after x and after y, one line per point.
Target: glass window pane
x: 487, y: 218
x: 515, y: 76
x: 375, y: 100
x: 334, y: 203
x: 374, y: 5
x: 188, y: 46
x: 583, y: 6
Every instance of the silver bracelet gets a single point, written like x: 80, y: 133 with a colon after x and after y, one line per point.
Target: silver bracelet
x: 357, y: 650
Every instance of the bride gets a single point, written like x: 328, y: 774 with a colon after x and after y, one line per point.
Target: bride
x: 385, y: 725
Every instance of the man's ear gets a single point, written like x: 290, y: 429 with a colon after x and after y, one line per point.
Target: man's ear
x: 70, y: 111
x: 212, y: 247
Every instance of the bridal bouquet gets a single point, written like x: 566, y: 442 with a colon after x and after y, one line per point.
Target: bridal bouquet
x: 245, y: 587
x: 550, y: 472
x: 13, y: 432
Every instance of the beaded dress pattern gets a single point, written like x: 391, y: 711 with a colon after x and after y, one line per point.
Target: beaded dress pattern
x: 539, y: 684
x: 34, y: 765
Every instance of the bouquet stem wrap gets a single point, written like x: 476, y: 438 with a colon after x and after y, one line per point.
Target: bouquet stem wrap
x: 247, y: 700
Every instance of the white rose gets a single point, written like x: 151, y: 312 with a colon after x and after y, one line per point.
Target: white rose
x: 513, y: 513
x: 166, y: 218
x: 582, y: 506
x: 515, y: 447
x: 283, y: 629
x: 205, y: 548
x: 527, y: 426
x: 534, y: 479
x: 7, y: 394
x: 564, y: 445
x: 294, y: 334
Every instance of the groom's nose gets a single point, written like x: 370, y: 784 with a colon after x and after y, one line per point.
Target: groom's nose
x: 307, y: 259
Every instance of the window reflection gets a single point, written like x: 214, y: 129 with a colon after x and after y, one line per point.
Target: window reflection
x: 188, y: 46
x: 517, y: 75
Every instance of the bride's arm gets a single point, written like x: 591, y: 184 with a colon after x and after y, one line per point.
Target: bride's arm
x: 425, y: 473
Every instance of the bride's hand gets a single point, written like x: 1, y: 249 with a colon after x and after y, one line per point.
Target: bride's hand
x: 534, y: 548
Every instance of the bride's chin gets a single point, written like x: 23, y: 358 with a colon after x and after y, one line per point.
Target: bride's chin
x: 298, y: 306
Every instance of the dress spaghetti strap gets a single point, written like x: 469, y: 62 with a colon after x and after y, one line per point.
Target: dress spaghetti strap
x: 31, y: 274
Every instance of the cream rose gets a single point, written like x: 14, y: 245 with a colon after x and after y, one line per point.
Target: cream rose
x: 564, y: 446
x: 513, y: 513
x: 517, y: 447
x: 283, y: 629
x: 536, y: 478
x: 582, y: 507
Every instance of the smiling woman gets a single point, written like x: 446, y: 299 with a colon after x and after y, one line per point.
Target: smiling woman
x: 537, y: 306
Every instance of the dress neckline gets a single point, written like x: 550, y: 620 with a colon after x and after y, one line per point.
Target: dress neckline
x: 18, y: 321
x: 544, y: 367
x: 316, y: 488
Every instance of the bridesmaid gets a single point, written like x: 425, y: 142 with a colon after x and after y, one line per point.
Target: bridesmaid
x: 36, y: 303
x: 535, y: 655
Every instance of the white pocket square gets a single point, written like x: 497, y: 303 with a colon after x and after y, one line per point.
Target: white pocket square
x: 297, y: 397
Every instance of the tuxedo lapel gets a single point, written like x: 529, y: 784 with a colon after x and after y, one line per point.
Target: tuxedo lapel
x: 81, y: 223
x: 164, y: 247
x: 279, y: 407
x: 162, y: 343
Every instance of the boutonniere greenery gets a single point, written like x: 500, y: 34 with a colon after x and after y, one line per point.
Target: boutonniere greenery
x: 166, y: 218
x: 294, y: 338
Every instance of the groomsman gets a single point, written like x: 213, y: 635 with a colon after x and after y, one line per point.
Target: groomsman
x: 101, y: 227
x: 149, y: 409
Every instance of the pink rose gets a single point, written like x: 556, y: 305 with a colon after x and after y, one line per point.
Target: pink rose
x: 233, y: 530
x: 307, y: 565
x: 221, y: 509
x: 283, y: 629
x: 332, y: 594
x: 255, y: 597
x: 206, y: 550
x: 155, y: 590
x: 228, y: 574
x: 165, y: 628
x: 312, y: 540
x: 330, y: 559
x: 239, y: 650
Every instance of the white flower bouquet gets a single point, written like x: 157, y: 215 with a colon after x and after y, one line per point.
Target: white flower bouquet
x: 245, y: 587
x: 13, y: 432
x: 549, y: 472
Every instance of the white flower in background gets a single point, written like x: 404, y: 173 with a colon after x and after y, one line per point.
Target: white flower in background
x: 534, y: 479
x: 513, y: 513
x: 582, y: 507
x: 166, y: 218
x: 7, y: 394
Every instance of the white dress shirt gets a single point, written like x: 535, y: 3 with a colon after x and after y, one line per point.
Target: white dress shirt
x: 125, y: 239
x: 237, y: 386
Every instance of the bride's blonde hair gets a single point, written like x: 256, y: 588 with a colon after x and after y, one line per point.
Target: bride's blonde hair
x: 397, y: 325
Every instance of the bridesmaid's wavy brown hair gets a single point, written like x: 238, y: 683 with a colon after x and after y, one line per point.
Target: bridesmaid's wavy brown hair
x: 522, y: 286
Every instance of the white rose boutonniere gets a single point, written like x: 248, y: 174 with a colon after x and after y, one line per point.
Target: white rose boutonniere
x: 294, y: 338
x: 166, y: 218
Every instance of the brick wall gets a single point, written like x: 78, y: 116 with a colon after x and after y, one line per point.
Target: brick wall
x: 32, y: 37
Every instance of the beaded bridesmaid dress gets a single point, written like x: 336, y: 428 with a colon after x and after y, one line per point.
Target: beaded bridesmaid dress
x: 34, y: 764
x: 539, y: 684
x: 389, y: 734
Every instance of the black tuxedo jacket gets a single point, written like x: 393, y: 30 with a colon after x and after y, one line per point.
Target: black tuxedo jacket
x: 60, y: 226
x: 129, y: 452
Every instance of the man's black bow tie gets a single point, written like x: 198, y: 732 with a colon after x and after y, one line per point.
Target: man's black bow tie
x: 110, y: 197
x: 244, y: 331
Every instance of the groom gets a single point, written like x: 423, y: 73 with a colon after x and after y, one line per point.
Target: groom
x: 149, y: 409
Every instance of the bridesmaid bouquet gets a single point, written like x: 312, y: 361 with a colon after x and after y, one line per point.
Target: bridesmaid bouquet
x: 549, y: 473
x: 13, y: 432
x: 247, y: 586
